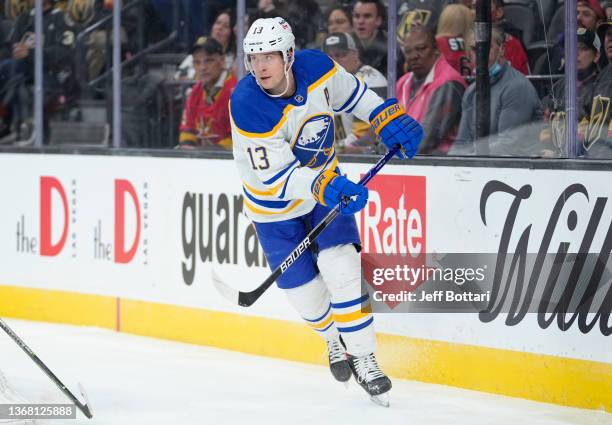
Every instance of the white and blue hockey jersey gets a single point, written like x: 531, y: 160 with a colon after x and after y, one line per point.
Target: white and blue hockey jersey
x: 282, y: 144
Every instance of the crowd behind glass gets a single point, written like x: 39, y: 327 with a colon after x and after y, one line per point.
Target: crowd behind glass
x: 180, y: 67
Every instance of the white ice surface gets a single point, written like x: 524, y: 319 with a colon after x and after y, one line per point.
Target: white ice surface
x: 133, y: 380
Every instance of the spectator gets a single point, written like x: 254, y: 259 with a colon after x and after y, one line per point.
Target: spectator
x: 514, y: 51
x: 58, y: 38
x: 306, y: 20
x: 269, y: 9
x: 81, y: 13
x: 455, y: 22
x: 514, y: 106
x: 206, y: 115
x: 589, y: 15
x: 597, y: 140
x: 351, y: 133
x: 266, y: 6
x: 605, y: 34
x: 223, y: 32
x: 431, y: 91
x: 553, y: 138
x: 368, y: 19
x: 339, y: 19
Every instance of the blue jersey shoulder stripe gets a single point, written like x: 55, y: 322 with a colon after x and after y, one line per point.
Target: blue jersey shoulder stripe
x: 280, y: 173
x: 350, y: 99
x: 364, y: 88
x: 282, y: 194
x: 267, y: 204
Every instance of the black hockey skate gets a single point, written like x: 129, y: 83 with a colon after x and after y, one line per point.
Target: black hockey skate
x: 368, y: 374
x: 338, y: 360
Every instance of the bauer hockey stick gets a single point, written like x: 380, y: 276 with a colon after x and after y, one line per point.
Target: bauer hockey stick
x: 245, y: 299
x: 83, y: 407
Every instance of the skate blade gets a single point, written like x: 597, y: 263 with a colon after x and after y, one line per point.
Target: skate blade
x: 381, y: 399
x: 346, y: 384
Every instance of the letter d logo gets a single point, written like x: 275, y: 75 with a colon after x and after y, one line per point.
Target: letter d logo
x: 47, y: 184
x: 121, y: 188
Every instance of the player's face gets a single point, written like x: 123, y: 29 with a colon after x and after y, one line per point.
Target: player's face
x: 269, y: 69
x: 366, y: 20
x: 338, y: 22
x: 208, y: 67
x: 221, y: 30
x: 586, y: 17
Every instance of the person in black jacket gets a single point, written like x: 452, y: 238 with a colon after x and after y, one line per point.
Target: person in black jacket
x: 59, y: 39
x: 597, y: 136
x: 553, y: 137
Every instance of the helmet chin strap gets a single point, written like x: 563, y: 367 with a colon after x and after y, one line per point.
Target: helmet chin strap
x: 286, y: 73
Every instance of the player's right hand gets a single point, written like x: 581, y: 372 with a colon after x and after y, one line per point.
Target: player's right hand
x: 394, y: 127
x: 331, y: 189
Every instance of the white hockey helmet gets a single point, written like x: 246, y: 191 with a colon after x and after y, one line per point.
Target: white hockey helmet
x: 269, y: 35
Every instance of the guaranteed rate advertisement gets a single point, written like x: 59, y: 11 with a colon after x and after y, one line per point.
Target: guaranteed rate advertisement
x: 153, y: 229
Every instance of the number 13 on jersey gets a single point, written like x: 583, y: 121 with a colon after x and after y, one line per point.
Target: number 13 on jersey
x: 259, y: 154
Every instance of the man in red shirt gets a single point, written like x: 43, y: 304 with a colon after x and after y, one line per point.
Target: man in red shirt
x: 206, y: 119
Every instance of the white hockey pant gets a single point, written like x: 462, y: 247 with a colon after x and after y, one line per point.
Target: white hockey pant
x: 332, y: 302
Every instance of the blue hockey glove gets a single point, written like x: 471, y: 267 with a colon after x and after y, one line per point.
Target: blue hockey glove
x: 394, y: 126
x: 330, y: 189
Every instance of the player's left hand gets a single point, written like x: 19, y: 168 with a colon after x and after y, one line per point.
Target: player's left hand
x: 394, y: 126
x: 330, y: 189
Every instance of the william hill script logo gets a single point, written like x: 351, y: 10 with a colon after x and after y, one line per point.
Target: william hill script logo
x: 589, y: 305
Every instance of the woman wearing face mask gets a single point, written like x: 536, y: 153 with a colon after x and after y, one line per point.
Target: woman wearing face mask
x: 515, y: 107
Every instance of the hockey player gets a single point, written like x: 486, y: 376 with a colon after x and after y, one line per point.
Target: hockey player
x: 283, y: 143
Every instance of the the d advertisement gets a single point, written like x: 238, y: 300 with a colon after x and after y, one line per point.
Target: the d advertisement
x: 47, y: 229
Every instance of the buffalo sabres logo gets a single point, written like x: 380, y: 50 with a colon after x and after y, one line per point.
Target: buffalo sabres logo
x: 314, y: 142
